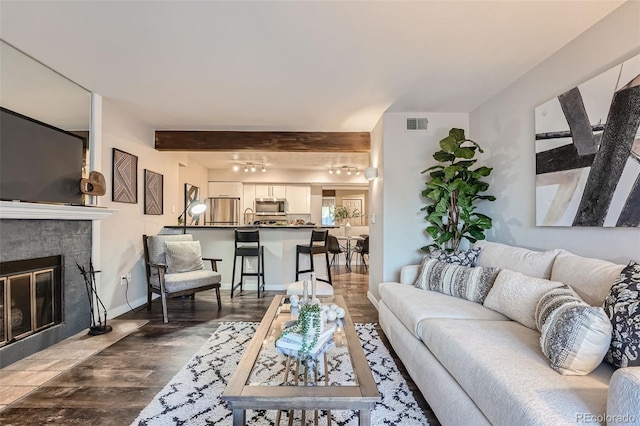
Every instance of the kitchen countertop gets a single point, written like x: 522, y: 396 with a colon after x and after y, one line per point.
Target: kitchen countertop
x: 251, y: 227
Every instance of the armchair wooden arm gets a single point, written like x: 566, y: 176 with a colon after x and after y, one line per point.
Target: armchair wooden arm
x: 214, y: 262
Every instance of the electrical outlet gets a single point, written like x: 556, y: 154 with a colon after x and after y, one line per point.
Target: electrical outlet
x: 129, y: 277
x: 123, y: 280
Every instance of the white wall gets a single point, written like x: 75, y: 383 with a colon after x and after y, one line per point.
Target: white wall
x: 505, y: 126
x: 376, y: 207
x: 121, y: 234
x: 194, y: 174
x: 398, y: 217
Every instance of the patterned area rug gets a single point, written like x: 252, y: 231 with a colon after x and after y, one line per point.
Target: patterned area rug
x: 192, y: 396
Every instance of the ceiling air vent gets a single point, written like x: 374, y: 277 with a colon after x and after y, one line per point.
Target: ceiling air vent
x: 417, y: 123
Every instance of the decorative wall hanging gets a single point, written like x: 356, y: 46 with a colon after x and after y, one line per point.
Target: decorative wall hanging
x: 588, y: 152
x: 125, y: 177
x: 153, y: 196
x: 191, y: 193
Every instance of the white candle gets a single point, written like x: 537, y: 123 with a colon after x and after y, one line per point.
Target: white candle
x: 313, y: 285
x: 305, y: 291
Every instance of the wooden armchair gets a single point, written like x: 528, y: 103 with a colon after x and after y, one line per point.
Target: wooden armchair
x: 175, y: 267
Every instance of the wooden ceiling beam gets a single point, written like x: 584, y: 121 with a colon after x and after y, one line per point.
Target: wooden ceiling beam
x: 174, y: 140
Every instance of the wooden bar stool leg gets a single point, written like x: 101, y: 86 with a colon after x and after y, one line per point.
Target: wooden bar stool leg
x: 297, y: 265
x: 233, y: 275
x: 326, y: 254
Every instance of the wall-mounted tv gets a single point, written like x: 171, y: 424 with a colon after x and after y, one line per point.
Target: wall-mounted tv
x: 39, y: 162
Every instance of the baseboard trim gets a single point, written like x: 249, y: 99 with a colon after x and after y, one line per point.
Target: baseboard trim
x: 373, y: 300
x: 123, y: 309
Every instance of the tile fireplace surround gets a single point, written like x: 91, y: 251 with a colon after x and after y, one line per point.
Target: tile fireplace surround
x: 50, y: 231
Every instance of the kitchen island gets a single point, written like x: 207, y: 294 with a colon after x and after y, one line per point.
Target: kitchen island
x: 279, y: 243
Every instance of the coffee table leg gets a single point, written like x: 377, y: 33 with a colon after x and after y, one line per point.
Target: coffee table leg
x: 364, y: 417
x: 239, y: 417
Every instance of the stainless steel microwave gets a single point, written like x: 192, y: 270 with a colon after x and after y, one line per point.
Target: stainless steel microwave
x: 271, y: 207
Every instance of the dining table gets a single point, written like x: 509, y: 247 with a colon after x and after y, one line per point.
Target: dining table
x: 346, y: 243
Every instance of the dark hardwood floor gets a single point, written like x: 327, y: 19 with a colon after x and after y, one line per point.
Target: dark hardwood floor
x: 113, y: 386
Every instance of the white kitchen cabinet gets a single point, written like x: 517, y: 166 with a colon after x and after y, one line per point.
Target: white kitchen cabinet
x: 271, y: 191
x: 249, y: 192
x: 225, y: 189
x: 298, y: 199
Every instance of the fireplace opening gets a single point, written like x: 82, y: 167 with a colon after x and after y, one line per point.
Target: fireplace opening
x: 30, y: 297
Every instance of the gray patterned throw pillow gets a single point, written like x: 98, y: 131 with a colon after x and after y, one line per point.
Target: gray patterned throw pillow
x: 460, y: 281
x: 622, y: 305
x: 463, y: 257
x: 574, y: 336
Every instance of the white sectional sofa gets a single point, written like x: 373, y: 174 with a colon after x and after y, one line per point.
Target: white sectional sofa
x: 475, y: 366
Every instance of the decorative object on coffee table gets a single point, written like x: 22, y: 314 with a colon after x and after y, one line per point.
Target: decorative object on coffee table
x: 125, y: 177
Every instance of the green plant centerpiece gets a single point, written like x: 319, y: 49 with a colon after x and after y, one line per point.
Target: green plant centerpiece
x: 452, y: 190
x: 309, y: 325
x: 342, y: 213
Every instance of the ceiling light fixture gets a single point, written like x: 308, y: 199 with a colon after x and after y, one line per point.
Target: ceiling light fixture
x: 348, y: 170
x: 249, y: 166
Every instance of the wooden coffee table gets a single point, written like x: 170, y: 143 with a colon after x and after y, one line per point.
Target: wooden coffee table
x: 246, y: 391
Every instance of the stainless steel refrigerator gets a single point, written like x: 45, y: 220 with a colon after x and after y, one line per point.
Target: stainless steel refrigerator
x: 223, y: 211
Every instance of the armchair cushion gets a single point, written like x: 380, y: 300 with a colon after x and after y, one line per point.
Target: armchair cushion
x: 183, y: 256
x: 155, y: 244
x: 186, y: 280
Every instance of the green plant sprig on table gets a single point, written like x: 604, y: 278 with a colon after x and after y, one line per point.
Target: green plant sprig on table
x: 309, y: 316
x: 342, y: 212
x: 452, y: 190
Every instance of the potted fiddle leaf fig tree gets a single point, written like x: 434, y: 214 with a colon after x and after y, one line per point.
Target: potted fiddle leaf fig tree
x: 452, y: 191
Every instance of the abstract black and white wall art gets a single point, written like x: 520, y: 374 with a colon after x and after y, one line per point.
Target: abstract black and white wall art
x: 588, y: 152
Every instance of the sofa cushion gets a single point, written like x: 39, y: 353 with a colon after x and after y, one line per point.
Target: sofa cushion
x: 412, y: 305
x: 622, y: 306
x: 516, y: 296
x: 500, y: 366
x: 462, y: 257
x: 575, y: 336
x: 533, y: 263
x: 590, y: 278
x: 460, y: 281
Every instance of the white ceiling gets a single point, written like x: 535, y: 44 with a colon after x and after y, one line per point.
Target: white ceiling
x: 306, y: 66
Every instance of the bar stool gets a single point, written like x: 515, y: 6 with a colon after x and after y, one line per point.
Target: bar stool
x: 312, y: 249
x: 248, y: 245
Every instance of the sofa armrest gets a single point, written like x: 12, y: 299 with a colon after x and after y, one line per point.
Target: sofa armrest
x: 623, y: 401
x: 409, y: 274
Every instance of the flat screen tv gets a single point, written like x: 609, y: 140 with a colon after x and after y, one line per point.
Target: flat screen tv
x: 39, y: 162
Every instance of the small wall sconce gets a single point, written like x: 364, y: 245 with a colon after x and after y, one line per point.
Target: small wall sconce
x: 371, y: 173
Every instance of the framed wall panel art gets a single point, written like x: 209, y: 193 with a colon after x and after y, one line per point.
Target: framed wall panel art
x: 588, y: 152
x: 153, y: 192
x: 125, y: 177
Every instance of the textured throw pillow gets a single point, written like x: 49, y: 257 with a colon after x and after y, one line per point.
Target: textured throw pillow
x: 574, y: 335
x: 183, y: 256
x: 463, y: 257
x: 622, y: 305
x: 516, y: 295
x: 533, y: 263
x: 460, y: 281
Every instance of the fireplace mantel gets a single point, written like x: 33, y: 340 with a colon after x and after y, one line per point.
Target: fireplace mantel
x: 17, y: 210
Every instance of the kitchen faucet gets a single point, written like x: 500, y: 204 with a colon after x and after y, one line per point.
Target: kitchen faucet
x: 248, y: 217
